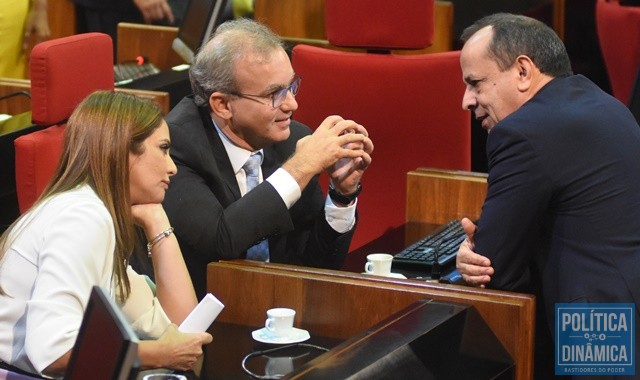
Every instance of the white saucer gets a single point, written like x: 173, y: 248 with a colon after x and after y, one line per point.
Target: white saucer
x: 393, y: 275
x: 265, y: 336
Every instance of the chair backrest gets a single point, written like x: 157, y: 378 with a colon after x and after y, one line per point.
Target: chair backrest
x: 63, y: 72
x: 410, y: 104
x: 618, y: 29
x: 406, y: 24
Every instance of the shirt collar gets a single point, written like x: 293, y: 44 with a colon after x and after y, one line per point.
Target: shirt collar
x: 238, y: 156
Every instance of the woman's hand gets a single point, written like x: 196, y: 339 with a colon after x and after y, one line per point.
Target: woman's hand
x: 174, y: 287
x: 151, y: 217
x: 174, y: 349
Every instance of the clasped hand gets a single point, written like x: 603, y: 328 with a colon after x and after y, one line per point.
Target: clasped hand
x: 340, y: 147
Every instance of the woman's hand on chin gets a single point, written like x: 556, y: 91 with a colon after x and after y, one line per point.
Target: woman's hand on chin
x: 151, y: 217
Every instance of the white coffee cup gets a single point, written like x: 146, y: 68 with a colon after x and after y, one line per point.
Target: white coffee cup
x: 378, y: 264
x: 280, y: 321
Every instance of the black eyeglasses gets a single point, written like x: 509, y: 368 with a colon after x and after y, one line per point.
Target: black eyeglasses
x: 277, y: 97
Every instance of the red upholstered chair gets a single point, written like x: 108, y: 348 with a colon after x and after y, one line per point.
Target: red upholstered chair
x: 63, y: 72
x: 410, y: 104
x: 618, y: 29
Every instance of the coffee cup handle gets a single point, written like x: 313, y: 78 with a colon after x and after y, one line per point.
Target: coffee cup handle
x: 269, y: 324
x: 368, y: 267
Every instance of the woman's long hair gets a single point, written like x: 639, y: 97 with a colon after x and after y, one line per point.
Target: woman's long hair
x: 101, y: 132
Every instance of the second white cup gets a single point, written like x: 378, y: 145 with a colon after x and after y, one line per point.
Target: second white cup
x: 378, y: 264
x: 280, y: 321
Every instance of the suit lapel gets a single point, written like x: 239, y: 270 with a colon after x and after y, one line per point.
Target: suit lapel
x: 221, y: 160
x: 271, y: 162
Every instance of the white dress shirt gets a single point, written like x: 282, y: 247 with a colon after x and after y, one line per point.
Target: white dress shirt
x: 341, y: 219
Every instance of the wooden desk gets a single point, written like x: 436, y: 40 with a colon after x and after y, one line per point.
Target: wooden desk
x: 21, y: 104
x: 160, y: 97
x: 151, y: 41
x: 391, y: 242
x: 232, y: 342
x: 438, y: 196
x: 15, y: 105
x: 338, y: 304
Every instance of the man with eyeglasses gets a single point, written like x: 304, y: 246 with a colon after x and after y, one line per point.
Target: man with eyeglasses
x: 244, y: 97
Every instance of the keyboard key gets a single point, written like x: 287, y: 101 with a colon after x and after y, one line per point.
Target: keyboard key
x: 131, y: 71
x: 421, y: 254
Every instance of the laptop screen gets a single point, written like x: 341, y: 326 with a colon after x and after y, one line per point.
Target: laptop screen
x: 106, y: 346
x: 199, y: 22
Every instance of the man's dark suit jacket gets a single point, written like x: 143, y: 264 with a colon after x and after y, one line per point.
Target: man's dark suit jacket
x: 213, y: 222
x: 564, y: 191
x: 562, y: 214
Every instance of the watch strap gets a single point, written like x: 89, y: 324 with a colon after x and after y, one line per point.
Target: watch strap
x: 344, y: 199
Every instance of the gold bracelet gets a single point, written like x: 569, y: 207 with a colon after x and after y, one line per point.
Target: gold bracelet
x: 158, y: 237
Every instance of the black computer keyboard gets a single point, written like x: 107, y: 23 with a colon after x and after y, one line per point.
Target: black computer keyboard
x: 422, y: 253
x: 125, y: 72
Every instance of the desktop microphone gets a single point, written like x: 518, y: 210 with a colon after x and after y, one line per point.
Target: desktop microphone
x: 435, y: 268
x: 141, y: 60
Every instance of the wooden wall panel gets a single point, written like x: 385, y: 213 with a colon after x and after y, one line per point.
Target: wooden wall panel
x: 292, y: 18
x: 62, y: 18
x: 297, y: 20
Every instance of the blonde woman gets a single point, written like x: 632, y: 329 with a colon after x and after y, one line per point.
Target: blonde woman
x: 113, y: 173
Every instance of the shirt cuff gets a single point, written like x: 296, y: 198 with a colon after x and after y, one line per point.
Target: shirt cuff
x: 286, y: 186
x: 341, y: 219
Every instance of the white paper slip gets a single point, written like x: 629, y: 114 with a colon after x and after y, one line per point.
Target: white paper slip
x: 203, y: 315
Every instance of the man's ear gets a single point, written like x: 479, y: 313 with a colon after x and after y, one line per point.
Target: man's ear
x: 220, y: 105
x: 525, y: 72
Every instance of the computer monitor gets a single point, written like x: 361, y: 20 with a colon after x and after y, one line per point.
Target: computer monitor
x: 427, y: 340
x: 199, y: 22
x: 106, y: 346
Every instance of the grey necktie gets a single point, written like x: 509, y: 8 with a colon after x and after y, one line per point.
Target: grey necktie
x: 260, y: 251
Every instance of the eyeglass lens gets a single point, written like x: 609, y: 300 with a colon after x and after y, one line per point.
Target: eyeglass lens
x: 280, y: 96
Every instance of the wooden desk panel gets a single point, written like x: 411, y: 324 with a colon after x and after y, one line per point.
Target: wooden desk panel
x: 15, y: 104
x: 437, y: 196
x: 160, y: 97
x: 340, y: 304
x: 20, y: 104
x: 151, y: 41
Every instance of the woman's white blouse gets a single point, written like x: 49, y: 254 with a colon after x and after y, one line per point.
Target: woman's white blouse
x: 59, y: 250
